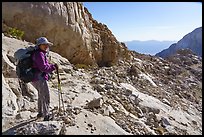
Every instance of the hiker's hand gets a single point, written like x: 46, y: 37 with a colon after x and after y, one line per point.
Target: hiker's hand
x: 56, y: 66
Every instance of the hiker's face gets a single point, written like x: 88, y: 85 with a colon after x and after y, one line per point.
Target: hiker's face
x: 44, y: 47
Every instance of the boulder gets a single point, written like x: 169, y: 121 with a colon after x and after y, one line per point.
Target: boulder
x: 165, y: 122
x: 108, y: 110
x: 95, y: 103
x: 40, y: 128
x: 164, y: 100
x: 134, y: 99
x: 9, y: 69
x: 9, y: 105
x: 24, y: 115
x: 15, y: 86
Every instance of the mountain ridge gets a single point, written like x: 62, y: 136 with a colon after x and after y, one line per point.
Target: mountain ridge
x: 192, y: 40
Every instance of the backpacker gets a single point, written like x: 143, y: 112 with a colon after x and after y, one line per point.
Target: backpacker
x: 24, y: 69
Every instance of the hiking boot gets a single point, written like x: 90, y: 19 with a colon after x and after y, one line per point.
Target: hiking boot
x: 39, y: 115
x: 47, y: 118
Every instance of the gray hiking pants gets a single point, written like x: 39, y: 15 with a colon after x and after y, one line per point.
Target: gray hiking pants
x: 43, y: 96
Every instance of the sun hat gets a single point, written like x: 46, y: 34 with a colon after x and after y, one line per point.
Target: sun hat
x: 43, y: 40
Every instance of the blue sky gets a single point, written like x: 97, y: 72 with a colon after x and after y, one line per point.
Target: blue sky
x: 148, y: 20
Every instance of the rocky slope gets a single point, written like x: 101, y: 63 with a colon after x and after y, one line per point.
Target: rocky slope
x: 69, y: 25
x: 144, y: 95
x: 192, y: 41
x: 189, y: 60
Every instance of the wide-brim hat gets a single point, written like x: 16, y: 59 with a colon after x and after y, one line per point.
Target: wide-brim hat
x: 43, y: 40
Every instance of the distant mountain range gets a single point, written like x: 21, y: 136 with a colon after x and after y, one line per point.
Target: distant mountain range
x: 192, y: 40
x: 148, y: 47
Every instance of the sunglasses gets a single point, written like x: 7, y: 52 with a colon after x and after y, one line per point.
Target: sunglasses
x: 45, y: 45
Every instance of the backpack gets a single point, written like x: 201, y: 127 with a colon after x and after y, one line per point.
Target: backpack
x: 24, y: 69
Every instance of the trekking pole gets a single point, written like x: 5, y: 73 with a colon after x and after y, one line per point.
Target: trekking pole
x: 60, y: 91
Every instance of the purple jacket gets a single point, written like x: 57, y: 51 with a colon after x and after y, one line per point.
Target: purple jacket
x: 41, y: 63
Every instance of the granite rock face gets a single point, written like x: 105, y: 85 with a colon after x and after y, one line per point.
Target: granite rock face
x: 70, y: 26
